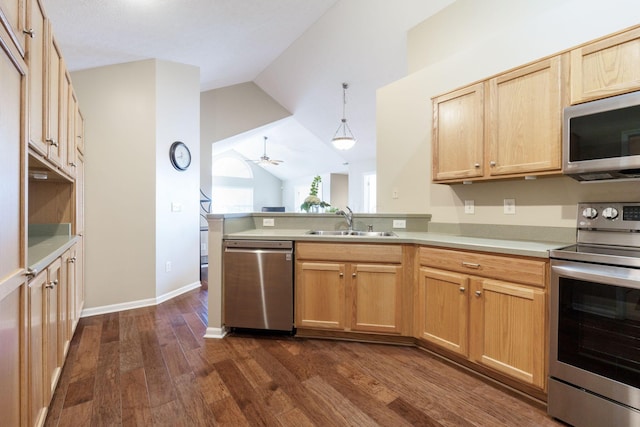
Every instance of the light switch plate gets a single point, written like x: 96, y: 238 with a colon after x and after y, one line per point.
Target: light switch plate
x: 268, y: 222
x: 399, y: 223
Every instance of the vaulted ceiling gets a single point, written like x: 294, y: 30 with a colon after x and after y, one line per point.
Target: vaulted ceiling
x: 298, y: 51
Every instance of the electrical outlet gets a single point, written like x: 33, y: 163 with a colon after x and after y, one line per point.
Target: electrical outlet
x: 469, y: 207
x: 167, y: 266
x: 394, y: 193
x: 509, y: 206
x: 399, y: 223
x: 268, y: 222
x: 176, y: 207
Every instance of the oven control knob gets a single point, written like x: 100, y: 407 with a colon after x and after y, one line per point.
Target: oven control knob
x: 610, y: 213
x: 590, y: 213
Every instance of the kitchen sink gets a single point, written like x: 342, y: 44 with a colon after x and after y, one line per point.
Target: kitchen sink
x: 351, y: 233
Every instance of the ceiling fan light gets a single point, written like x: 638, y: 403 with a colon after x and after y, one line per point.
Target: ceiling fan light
x: 343, y: 142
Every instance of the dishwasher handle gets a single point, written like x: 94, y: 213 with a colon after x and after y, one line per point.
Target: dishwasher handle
x: 258, y: 244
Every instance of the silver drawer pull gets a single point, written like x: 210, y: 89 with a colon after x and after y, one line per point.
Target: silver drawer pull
x: 470, y: 264
x: 478, y: 293
x: 462, y: 289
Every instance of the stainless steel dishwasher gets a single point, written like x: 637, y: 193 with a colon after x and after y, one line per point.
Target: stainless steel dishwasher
x: 258, y: 284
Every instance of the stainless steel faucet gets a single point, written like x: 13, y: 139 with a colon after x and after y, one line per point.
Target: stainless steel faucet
x: 348, y: 216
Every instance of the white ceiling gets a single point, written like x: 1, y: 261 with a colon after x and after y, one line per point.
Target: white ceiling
x: 297, y: 51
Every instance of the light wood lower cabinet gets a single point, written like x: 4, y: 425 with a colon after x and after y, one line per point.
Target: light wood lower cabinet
x: 443, y: 309
x: 497, y: 321
x: 50, y: 311
x: 507, y: 329
x: 364, y: 295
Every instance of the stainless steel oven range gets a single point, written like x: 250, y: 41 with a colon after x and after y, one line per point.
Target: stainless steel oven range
x: 594, y: 361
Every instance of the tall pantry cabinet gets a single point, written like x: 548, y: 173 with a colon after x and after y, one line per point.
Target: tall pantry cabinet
x: 41, y: 220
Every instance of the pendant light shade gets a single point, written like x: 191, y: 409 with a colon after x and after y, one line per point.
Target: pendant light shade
x: 343, y: 138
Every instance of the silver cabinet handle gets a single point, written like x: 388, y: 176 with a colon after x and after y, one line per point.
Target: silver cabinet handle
x: 30, y: 273
x: 52, y: 141
x: 492, y: 163
x: 51, y: 285
x: 341, y: 274
x: 477, y: 165
x: 29, y: 32
x: 478, y: 293
x: 470, y: 265
x: 72, y: 164
x: 462, y: 289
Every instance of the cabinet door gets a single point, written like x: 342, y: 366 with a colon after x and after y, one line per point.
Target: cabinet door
x: 442, y: 309
x: 508, y: 329
x: 12, y: 228
x: 606, y: 67
x: 35, y: 57
x: 524, y: 116
x: 79, y: 130
x: 52, y: 106
x: 37, y: 293
x: 65, y: 304
x: 458, y: 133
x: 13, y: 14
x: 51, y: 340
x: 72, y: 140
x: 376, y: 294
x: 320, y: 295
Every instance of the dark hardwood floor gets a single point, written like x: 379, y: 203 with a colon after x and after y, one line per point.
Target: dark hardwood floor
x: 152, y: 367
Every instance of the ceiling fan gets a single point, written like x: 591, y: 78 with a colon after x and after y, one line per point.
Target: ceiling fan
x: 264, y: 159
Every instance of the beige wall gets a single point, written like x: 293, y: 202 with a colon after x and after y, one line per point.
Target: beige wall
x: 466, y: 42
x: 230, y: 111
x: 132, y: 114
x: 177, y: 233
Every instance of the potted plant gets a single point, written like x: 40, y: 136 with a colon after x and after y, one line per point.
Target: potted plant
x: 313, y: 203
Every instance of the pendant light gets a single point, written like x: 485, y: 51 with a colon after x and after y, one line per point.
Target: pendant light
x: 343, y: 138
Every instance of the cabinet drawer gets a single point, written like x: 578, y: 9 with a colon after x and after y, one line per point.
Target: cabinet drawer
x: 512, y: 269
x: 349, y: 252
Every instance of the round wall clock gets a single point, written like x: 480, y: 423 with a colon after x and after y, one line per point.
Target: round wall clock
x: 180, y: 156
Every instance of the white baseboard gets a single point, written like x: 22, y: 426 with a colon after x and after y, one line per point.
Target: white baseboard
x: 93, y: 311
x: 217, y: 333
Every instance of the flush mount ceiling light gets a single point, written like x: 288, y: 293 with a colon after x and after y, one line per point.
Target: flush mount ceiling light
x: 266, y: 160
x: 343, y: 138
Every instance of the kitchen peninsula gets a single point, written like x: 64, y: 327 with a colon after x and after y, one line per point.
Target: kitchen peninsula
x: 457, y: 292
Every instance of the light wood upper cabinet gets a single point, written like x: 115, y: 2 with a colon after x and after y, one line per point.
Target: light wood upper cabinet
x: 508, y: 329
x: 507, y: 126
x: 442, y: 309
x: 458, y: 134
x: 36, y: 57
x: 13, y: 17
x: 606, y: 67
x: 524, y: 116
x: 56, y: 149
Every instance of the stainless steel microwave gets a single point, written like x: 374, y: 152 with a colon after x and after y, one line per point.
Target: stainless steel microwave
x: 601, y: 139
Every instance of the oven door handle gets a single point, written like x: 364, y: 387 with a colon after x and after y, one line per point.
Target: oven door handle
x: 605, y: 274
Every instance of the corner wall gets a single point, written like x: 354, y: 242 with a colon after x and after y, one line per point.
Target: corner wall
x: 462, y: 44
x: 126, y: 180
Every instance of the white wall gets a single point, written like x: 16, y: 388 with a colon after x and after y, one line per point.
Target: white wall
x: 470, y: 41
x: 127, y: 174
